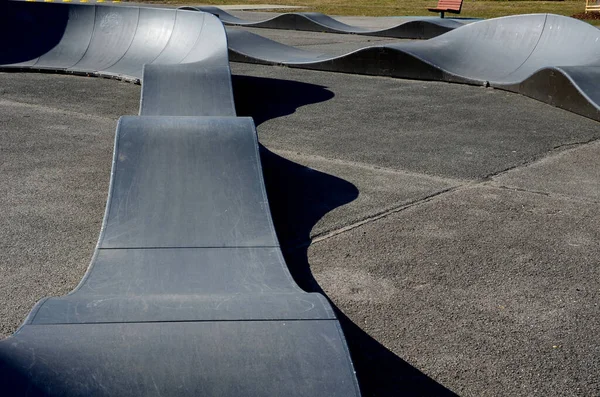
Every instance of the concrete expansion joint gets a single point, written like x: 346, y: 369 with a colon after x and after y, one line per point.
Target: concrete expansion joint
x: 495, y: 185
x: 367, y: 166
x: 52, y: 109
x: 556, y: 151
x: 487, y: 181
x: 371, y: 39
x: 490, y: 177
x: 573, y: 145
x: 383, y: 214
x: 320, y: 43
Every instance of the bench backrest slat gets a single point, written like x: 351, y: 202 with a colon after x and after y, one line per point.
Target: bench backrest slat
x: 450, y: 4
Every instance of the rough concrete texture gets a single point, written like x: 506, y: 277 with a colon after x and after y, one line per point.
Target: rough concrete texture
x: 448, y: 130
x: 97, y: 97
x: 56, y: 136
x: 449, y: 274
x: 489, y: 291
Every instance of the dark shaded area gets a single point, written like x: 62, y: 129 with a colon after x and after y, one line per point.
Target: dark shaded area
x: 264, y: 99
x: 32, y: 32
x: 303, y: 196
x: 14, y: 375
x: 382, y: 373
x: 299, y: 196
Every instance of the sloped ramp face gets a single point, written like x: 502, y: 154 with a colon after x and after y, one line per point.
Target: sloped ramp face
x: 187, y: 293
x: 112, y: 41
x: 187, y: 251
x: 552, y: 58
x: 409, y: 28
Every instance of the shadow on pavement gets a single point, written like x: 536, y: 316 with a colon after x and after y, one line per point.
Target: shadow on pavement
x: 264, y: 99
x: 299, y: 197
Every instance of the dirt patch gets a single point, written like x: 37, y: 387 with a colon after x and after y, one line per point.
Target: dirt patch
x: 587, y: 16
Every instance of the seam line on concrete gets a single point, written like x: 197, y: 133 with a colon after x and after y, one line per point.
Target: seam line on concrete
x: 368, y: 166
x: 489, y: 184
x: 571, y: 146
x: 191, y: 321
x: 49, y: 109
x: 496, y: 185
x: 326, y: 235
x: 487, y: 181
x: 556, y: 151
x: 187, y: 247
x: 345, y: 42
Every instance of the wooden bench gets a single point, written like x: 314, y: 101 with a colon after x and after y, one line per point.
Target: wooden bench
x: 592, y: 6
x: 444, y: 6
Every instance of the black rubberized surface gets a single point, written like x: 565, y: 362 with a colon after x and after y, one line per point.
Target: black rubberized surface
x: 187, y: 293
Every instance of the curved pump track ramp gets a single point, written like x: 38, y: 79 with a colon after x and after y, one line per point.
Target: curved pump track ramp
x: 551, y: 58
x: 187, y: 293
x: 408, y: 28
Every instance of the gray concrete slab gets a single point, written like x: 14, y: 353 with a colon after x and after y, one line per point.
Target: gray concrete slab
x: 55, y: 163
x: 96, y: 96
x: 441, y: 129
x: 489, y: 291
x: 572, y: 173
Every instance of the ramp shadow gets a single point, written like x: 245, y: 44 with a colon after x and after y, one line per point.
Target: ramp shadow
x: 299, y: 197
x: 264, y: 98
